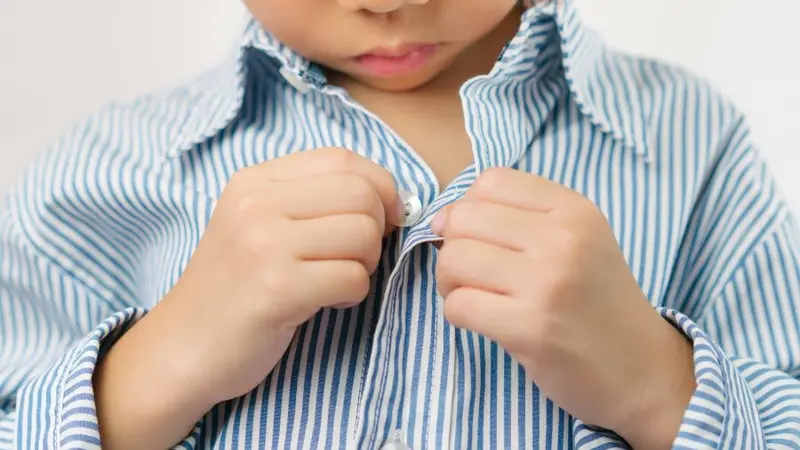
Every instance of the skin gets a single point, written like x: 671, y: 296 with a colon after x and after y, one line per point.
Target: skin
x: 333, y: 32
x: 326, y: 212
x: 564, y: 304
x: 535, y: 266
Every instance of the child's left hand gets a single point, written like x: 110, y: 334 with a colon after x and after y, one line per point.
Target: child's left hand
x: 535, y: 266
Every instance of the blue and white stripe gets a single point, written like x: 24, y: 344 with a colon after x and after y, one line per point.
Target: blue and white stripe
x: 104, y: 223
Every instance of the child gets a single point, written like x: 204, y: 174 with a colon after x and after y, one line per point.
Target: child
x: 465, y: 224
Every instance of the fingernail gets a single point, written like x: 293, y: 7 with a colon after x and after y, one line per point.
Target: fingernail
x: 439, y: 221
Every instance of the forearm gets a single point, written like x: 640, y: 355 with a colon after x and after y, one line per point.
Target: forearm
x: 730, y: 401
x: 146, y: 393
x: 663, y: 404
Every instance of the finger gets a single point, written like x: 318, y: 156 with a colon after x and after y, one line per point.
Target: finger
x: 494, y: 223
x: 498, y: 317
x: 354, y: 237
x: 326, y: 195
x: 476, y: 264
x: 520, y: 190
x: 312, y: 163
x: 332, y: 283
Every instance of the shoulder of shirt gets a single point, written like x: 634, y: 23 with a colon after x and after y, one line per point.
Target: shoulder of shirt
x: 676, y: 100
x: 122, y: 145
x: 135, y: 134
x: 633, y: 99
x: 148, y: 126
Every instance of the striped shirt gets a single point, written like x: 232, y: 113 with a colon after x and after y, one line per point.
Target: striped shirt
x: 101, y: 227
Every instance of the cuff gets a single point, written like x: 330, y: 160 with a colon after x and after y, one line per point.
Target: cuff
x: 722, y: 412
x: 57, y: 408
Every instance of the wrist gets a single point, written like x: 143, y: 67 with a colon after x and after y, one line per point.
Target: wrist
x: 656, y: 423
x: 185, y: 349
x: 146, y: 391
x: 219, y: 356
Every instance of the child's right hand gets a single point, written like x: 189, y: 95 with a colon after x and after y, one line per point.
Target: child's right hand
x: 287, y: 238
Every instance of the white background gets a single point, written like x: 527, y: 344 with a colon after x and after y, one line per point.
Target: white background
x: 59, y: 61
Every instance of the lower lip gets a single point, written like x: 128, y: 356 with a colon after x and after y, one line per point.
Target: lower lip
x: 389, y: 66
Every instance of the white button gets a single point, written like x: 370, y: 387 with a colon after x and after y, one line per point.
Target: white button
x: 395, y: 442
x: 295, y: 80
x: 413, y: 208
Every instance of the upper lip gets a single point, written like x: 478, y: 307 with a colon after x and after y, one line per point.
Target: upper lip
x: 395, y: 51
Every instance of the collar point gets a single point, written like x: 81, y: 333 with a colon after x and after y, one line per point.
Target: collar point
x: 641, y: 144
x: 640, y: 149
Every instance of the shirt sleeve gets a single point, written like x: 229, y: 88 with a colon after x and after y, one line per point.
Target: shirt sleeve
x: 54, y: 328
x: 747, y: 354
x: 736, y: 295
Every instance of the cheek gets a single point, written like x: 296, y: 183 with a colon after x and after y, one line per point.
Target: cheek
x: 291, y: 21
x: 470, y: 20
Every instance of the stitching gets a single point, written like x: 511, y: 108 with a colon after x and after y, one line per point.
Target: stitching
x: 435, y: 358
x: 384, y: 366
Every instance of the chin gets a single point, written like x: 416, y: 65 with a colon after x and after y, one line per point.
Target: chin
x: 397, y: 84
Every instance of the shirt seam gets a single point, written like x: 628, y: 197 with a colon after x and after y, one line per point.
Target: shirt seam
x: 28, y: 243
x: 770, y: 232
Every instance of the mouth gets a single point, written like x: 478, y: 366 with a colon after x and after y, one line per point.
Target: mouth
x: 395, y: 61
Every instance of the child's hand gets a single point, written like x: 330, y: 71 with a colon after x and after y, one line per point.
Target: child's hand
x: 288, y: 238
x: 535, y: 267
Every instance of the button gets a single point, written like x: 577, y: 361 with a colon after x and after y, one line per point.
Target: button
x: 413, y: 208
x: 395, y: 442
x: 295, y: 80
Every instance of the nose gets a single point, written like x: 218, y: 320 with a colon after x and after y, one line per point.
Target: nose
x: 379, y: 6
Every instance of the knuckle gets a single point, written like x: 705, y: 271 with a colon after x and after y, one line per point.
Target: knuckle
x: 448, y: 259
x: 444, y: 263
x: 559, y: 288
x: 360, y: 192
x: 489, y: 181
x: 276, y: 284
x: 240, y: 177
x: 460, y: 216
x: 253, y: 244
x: 237, y: 188
x: 370, y: 234
x: 340, y: 159
x: 386, y: 176
x: 455, y: 309
x: 373, y: 259
x: 570, y: 243
x: 584, y: 211
x: 246, y: 206
x: 369, y: 230
x: 357, y: 277
x: 257, y: 240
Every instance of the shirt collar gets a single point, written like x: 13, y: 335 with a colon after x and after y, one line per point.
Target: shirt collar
x: 590, y: 68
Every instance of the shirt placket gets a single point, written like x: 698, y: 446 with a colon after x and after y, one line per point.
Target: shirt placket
x: 388, y: 409
x: 410, y: 321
